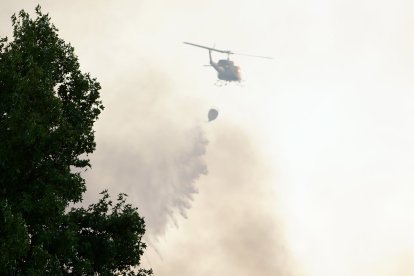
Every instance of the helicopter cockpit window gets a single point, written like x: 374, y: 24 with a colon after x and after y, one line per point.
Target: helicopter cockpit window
x: 222, y: 62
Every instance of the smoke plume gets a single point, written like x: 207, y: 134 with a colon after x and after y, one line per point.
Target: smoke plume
x: 151, y: 148
x: 232, y: 227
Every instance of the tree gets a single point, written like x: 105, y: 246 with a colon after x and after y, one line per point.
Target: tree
x: 47, y: 111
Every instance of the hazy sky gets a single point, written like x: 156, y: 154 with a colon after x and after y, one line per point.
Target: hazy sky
x: 309, y: 168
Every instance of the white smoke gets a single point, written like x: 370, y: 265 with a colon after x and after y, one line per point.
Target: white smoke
x: 152, y: 148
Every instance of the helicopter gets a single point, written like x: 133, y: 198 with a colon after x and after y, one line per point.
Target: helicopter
x: 227, y: 71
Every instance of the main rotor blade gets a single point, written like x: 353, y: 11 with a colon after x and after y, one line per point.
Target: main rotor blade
x: 225, y: 52
x: 209, y: 48
x: 247, y: 55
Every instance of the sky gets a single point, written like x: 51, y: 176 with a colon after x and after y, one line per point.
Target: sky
x: 308, y: 169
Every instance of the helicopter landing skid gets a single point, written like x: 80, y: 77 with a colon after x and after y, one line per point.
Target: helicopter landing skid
x: 221, y: 83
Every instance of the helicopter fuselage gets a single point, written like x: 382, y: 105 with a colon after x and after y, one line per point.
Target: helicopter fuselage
x: 226, y: 70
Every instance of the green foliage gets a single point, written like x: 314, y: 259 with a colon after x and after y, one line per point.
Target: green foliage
x: 112, y: 240
x: 13, y: 236
x: 47, y: 111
